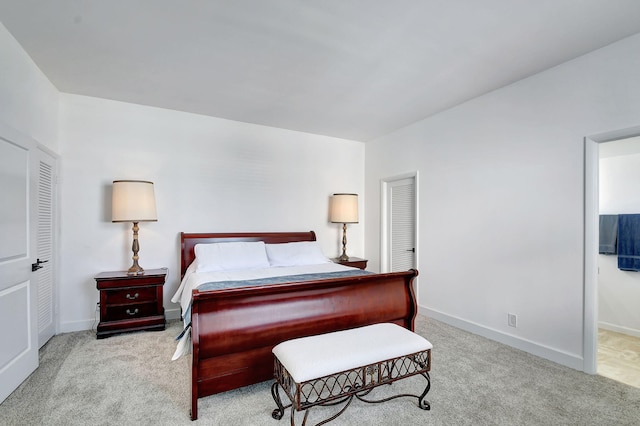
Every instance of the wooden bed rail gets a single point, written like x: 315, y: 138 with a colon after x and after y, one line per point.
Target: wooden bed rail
x: 234, y: 330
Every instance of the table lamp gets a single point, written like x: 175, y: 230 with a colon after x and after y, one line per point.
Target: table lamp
x: 344, y: 209
x: 133, y: 201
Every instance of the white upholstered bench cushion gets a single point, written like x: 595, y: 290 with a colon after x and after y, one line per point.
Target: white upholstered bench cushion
x: 309, y: 358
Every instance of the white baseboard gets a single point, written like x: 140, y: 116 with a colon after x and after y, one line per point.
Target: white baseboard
x: 82, y: 325
x: 619, y: 329
x: 172, y: 314
x: 559, y: 357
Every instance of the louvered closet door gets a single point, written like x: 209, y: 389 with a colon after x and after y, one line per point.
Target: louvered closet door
x: 45, y: 250
x: 402, y: 224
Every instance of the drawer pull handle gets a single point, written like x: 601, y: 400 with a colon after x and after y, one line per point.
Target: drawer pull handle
x: 132, y: 313
x: 134, y: 297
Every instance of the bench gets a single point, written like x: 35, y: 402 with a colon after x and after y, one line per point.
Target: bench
x: 332, y: 368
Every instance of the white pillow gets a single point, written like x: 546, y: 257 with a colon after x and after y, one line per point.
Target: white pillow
x: 231, y: 256
x: 296, y: 254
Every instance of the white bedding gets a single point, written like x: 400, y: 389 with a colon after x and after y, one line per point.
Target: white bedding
x: 193, y: 280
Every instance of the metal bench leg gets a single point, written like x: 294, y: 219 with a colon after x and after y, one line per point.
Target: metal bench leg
x: 422, y: 403
x: 278, y: 413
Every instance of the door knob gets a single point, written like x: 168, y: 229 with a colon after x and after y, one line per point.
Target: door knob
x: 36, y: 266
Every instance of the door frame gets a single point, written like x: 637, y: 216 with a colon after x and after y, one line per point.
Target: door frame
x: 384, y: 219
x: 591, y: 235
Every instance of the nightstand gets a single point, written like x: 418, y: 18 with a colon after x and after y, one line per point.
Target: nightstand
x: 354, y: 262
x: 130, y: 302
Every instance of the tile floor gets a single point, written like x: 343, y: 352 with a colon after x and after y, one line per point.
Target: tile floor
x: 619, y: 357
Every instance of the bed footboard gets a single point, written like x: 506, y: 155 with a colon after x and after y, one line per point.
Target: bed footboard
x: 234, y: 330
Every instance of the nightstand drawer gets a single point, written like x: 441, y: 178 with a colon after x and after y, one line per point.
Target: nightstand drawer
x: 130, y: 295
x: 130, y: 302
x: 132, y: 311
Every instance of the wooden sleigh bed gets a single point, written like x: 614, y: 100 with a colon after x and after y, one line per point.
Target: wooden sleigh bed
x: 234, y: 330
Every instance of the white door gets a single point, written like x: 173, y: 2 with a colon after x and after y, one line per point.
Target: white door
x: 18, y: 312
x: 45, y: 259
x: 400, y: 219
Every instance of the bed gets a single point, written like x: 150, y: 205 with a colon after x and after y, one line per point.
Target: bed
x: 233, y: 330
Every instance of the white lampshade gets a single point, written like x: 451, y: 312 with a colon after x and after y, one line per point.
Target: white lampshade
x: 344, y: 208
x: 133, y: 201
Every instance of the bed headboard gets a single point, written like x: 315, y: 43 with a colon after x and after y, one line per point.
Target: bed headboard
x: 189, y: 241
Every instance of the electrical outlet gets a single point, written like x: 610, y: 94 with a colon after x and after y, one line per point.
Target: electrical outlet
x: 512, y: 320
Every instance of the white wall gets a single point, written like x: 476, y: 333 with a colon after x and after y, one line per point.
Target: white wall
x: 28, y: 100
x: 210, y: 175
x: 501, y: 189
x: 501, y: 196
x: 619, y: 291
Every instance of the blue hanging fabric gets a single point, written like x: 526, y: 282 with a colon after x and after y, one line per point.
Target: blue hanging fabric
x: 608, y: 234
x: 629, y: 242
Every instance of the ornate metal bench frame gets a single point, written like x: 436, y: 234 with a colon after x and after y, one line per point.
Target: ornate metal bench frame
x: 341, y: 387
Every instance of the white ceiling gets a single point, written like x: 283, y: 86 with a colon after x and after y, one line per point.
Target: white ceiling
x: 355, y: 69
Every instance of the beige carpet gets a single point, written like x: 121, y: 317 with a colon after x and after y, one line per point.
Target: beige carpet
x: 130, y: 380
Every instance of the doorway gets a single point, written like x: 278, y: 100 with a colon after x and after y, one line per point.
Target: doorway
x: 591, y: 233
x: 618, y: 290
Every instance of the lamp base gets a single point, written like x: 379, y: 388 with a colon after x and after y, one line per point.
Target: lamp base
x: 344, y: 257
x: 135, y: 247
x: 135, y: 270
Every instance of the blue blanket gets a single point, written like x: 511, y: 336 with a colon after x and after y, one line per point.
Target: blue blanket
x: 219, y: 285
